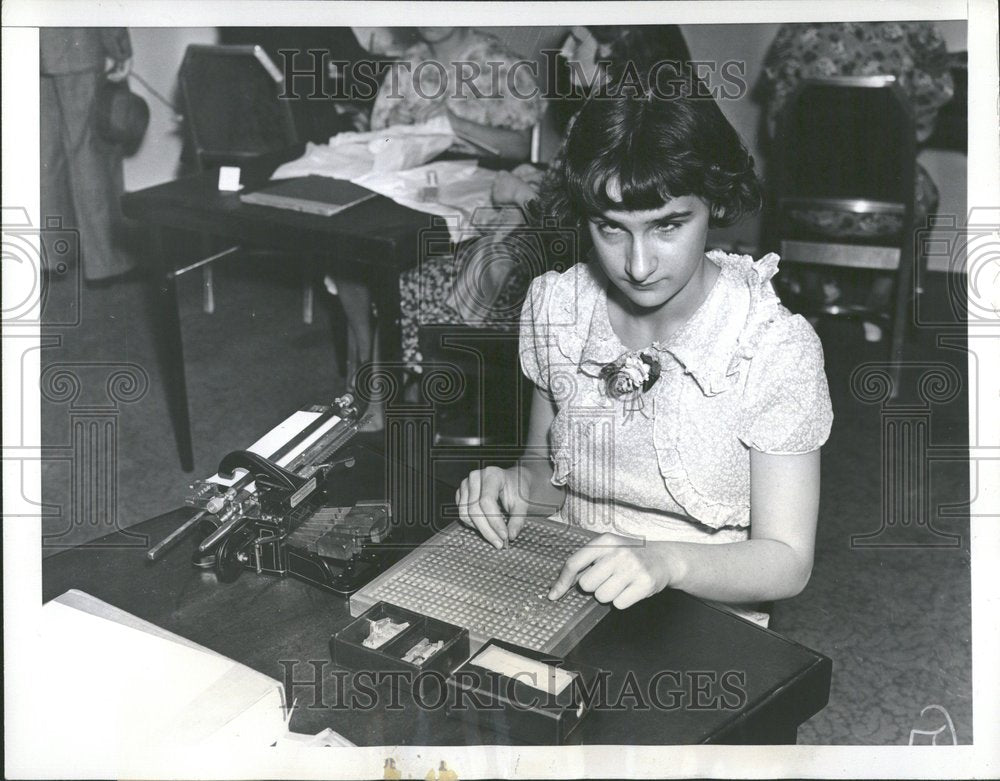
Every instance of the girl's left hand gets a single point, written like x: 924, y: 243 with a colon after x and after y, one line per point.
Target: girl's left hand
x: 616, y: 569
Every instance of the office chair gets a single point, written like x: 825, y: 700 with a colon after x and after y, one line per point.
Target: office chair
x: 234, y: 115
x: 843, y: 190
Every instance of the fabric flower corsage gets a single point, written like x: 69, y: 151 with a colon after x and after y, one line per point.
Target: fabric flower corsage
x: 629, y: 377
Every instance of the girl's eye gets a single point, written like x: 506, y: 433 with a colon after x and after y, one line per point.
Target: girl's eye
x: 607, y: 228
x: 669, y: 227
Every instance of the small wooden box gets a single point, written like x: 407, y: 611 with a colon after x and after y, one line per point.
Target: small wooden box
x: 511, y: 705
x: 348, y: 651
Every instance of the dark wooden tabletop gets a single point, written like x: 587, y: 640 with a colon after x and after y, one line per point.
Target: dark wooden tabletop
x: 373, y: 242
x: 680, y: 671
x: 378, y: 230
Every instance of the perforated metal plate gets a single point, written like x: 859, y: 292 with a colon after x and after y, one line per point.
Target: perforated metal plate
x: 458, y: 577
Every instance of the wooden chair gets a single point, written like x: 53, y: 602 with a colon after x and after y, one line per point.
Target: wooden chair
x: 233, y: 115
x: 846, y: 152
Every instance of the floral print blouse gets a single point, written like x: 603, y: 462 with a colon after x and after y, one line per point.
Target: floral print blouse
x: 742, y: 373
x: 422, y: 90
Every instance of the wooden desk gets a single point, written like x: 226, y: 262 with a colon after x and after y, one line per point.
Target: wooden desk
x: 755, y: 686
x: 377, y: 234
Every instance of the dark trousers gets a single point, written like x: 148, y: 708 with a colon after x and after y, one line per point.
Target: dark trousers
x: 81, y: 173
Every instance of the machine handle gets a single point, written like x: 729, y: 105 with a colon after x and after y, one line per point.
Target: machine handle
x: 263, y: 470
x: 171, y: 539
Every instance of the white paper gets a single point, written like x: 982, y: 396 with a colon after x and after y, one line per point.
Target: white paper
x: 351, y: 155
x: 124, y: 691
x: 293, y: 425
x: 544, y: 677
x: 393, y: 163
x: 463, y: 188
x: 229, y: 179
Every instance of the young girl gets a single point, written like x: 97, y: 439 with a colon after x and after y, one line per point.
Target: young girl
x: 676, y: 402
x: 483, y: 291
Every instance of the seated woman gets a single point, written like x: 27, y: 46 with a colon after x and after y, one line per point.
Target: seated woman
x: 470, y: 76
x: 913, y: 52
x: 491, y: 105
x: 678, y: 408
x: 445, y: 291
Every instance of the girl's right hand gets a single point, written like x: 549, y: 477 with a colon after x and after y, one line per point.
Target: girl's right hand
x: 494, y: 501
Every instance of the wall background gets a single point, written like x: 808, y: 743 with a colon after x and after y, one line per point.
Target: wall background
x: 156, y: 57
x: 158, y: 53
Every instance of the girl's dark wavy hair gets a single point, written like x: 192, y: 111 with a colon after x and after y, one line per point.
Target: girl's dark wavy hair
x: 656, y: 148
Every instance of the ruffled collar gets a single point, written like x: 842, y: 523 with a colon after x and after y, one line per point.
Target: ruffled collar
x: 710, y: 343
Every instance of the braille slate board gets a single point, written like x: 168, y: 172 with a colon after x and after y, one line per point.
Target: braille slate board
x: 458, y: 577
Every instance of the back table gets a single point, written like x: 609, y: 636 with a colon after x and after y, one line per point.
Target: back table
x: 379, y: 235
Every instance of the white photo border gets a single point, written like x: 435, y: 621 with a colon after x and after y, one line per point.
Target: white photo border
x: 34, y: 752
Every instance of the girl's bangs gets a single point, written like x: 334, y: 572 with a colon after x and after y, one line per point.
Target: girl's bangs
x: 641, y: 184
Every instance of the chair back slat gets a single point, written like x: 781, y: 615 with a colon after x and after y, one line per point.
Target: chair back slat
x: 847, y: 138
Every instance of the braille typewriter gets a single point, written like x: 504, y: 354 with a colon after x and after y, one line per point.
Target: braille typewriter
x: 268, y: 508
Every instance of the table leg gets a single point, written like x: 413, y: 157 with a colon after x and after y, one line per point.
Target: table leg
x: 169, y: 346
x: 389, y: 336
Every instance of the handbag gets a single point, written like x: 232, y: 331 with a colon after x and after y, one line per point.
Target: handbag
x: 122, y: 116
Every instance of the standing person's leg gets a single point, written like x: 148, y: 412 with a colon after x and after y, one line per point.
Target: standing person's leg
x: 424, y: 293
x: 362, y: 344
x: 56, y: 196
x: 357, y: 302
x: 95, y: 176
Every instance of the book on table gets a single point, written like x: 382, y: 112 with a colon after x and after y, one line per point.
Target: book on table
x: 320, y: 195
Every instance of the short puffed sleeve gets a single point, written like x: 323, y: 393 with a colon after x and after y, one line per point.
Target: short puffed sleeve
x: 536, y: 338
x: 786, y: 402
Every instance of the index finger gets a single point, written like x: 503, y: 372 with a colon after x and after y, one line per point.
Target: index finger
x: 575, y: 564
x: 490, y: 520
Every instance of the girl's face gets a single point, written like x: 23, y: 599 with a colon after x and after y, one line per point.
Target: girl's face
x: 651, y: 256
